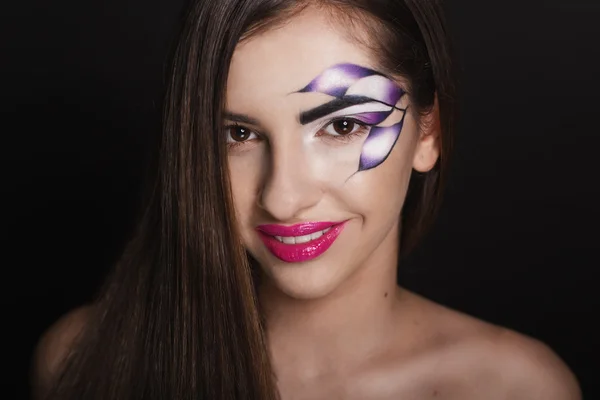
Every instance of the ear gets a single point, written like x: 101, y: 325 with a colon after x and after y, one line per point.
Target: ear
x: 427, y: 151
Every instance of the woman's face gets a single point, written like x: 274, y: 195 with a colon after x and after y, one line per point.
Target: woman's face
x: 321, y: 147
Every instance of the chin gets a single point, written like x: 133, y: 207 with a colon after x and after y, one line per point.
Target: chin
x: 310, y: 281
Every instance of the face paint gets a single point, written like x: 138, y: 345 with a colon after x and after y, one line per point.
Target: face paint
x: 353, y: 86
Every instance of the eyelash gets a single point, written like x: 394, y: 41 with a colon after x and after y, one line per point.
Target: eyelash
x: 363, y: 128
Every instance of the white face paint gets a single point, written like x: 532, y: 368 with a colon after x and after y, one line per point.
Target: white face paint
x: 368, y: 130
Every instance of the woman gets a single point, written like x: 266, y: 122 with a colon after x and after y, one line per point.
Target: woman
x: 304, y: 150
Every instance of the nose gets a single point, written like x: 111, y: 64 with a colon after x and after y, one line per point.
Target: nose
x: 289, y: 187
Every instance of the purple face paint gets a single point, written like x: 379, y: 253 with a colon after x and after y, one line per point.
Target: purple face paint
x: 373, y: 118
x: 379, y: 145
x: 336, y: 80
x: 352, y: 84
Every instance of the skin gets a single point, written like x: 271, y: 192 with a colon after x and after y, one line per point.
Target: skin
x: 339, y: 327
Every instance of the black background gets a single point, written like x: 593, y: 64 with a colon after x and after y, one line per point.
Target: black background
x: 81, y: 84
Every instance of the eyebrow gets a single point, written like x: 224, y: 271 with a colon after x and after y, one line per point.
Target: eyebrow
x: 241, y: 118
x: 306, y: 117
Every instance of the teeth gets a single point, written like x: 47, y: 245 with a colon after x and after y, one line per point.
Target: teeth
x: 289, y: 240
x: 302, y: 239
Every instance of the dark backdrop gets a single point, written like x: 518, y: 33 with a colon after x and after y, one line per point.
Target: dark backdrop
x: 81, y: 85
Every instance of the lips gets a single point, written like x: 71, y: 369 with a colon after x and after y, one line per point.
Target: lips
x: 272, y: 235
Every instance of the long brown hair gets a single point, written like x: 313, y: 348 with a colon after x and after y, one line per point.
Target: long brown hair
x: 178, y: 317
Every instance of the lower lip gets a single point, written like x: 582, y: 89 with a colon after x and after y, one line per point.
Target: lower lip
x: 297, y: 253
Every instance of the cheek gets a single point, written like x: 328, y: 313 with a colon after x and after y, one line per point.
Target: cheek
x: 244, y: 171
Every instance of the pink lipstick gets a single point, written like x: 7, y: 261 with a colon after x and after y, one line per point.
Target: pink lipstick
x: 302, y: 242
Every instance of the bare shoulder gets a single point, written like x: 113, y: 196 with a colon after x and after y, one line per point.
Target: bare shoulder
x: 535, y: 371
x: 500, y: 361
x: 55, y: 344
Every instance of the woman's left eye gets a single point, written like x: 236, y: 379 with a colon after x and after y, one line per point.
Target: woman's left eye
x: 344, y: 127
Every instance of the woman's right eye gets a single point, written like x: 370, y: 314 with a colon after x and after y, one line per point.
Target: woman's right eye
x: 239, y: 134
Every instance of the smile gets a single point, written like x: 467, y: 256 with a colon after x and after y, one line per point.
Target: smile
x: 302, y: 242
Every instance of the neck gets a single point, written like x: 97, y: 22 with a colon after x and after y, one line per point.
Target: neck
x: 355, y: 320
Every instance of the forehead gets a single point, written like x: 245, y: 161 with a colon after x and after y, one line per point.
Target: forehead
x: 268, y: 67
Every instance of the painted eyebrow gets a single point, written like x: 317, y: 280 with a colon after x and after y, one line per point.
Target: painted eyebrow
x: 241, y: 118
x: 308, y: 116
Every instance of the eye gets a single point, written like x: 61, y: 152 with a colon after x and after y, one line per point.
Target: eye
x: 343, y: 127
x: 239, y: 134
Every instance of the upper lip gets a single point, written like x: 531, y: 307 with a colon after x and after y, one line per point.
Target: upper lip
x: 302, y: 229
